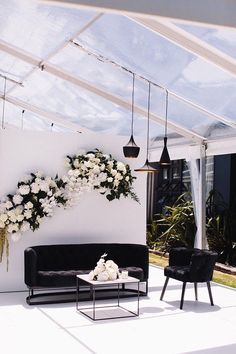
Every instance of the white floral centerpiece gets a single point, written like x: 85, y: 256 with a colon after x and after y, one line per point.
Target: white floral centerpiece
x: 104, y: 270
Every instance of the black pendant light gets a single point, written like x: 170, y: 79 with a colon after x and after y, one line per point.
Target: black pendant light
x: 165, y: 157
x: 131, y: 150
x: 147, y: 167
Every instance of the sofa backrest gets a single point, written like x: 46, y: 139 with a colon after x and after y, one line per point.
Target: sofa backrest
x: 86, y: 256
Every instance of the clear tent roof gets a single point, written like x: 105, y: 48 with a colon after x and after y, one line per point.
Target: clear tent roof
x: 68, y: 63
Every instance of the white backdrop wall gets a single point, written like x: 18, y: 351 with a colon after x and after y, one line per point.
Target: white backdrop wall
x: 94, y: 219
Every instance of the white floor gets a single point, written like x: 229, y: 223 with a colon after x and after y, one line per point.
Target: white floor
x: 161, y: 327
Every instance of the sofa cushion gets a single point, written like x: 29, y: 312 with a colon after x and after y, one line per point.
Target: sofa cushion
x: 59, y: 278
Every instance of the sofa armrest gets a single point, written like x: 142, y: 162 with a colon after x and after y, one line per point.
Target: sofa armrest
x: 30, y: 259
x: 180, y: 256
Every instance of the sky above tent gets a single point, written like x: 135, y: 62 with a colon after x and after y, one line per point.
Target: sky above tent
x: 50, y: 35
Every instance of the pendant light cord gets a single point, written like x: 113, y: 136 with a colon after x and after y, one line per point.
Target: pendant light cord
x: 149, y: 94
x: 4, y: 101
x: 22, y: 119
x: 167, y: 93
x: 132, y: 121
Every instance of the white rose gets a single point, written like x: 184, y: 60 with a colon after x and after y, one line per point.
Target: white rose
x: 112, y: 273
x: 20, y: 218
x: 90, y: 155
x: 3, y: 217
x: 44, y: 186
x: 8, y: 204
x: 70, y: 172
x: 39, y: 220
x: 111, y: 264
x: 12, y: 216
x: 96, y: 160
x: 25, y: 226
x: 39, y: 174
x: 88, y: 164
x: 19, y: 209
x: 113, y: 172
x: 24, y: 189
x: 67, y: 162
x: 120, y: 166
x: 35, y: 188
x: 110, y: 179
x: 12, y: 228
x: 76, y: 163
x: 28, y: 214
x: 102, y: 167
x: 127, y: 178
x: 29, y: 205
x: 91, y: 275
x: 65, y: 179
x: 118, y: 176
x: 17, y: 199
x: 103, y: 276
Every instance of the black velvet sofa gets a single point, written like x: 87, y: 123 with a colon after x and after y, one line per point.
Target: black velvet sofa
x: 54, y: 267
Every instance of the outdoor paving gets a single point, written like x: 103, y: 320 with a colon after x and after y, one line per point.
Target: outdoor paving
x: 161, y: 327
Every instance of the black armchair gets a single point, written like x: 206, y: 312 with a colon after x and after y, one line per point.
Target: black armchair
x: 190, y: 265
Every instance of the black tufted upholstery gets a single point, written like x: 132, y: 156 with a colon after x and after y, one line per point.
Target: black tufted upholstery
x: 56, y: 266
x: 190, y: 265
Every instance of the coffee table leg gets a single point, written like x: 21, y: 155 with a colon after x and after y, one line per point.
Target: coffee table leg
x: 94, y: 303
x: 77, y: 292
x: 118, y: 295
x: 138, y: 300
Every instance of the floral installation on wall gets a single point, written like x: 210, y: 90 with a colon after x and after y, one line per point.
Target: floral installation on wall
x: 37, y: 196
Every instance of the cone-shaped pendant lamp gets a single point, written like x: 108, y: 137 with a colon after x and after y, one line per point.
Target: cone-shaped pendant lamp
x: 131, y: 150
x: 147, y: 167
x: 165, y: 157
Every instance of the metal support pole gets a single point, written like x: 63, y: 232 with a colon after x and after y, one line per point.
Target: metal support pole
x: 202, y: 199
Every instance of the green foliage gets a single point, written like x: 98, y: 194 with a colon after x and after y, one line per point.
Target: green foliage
x: 220, y: 219
x: 176, y: 227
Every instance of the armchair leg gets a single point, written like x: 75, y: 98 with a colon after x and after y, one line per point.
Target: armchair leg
x: 210, y: 294
x: 146, y: 291
x: 164, y: 288
x: 182, y: 295
x: 195, y: 289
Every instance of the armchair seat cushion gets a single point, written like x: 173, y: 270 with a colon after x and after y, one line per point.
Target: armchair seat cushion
x: 180, y: 273
x: 135, y: 272
x: 59, y: 278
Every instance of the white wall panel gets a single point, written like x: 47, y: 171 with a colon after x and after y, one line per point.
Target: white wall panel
x: 94, y: 219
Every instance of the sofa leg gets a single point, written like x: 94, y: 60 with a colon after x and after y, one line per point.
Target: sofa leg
x: 164, y: 288
x: 210, y: 294
x: 182, y: 295
x: 31, y: 293
x: 195, y: 289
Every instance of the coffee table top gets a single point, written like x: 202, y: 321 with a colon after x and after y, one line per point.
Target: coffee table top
x: 85, y: 277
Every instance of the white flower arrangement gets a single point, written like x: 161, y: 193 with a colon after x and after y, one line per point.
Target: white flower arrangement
x: 104, y: 270
x: 97, y: 171
x: 37, y: 196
